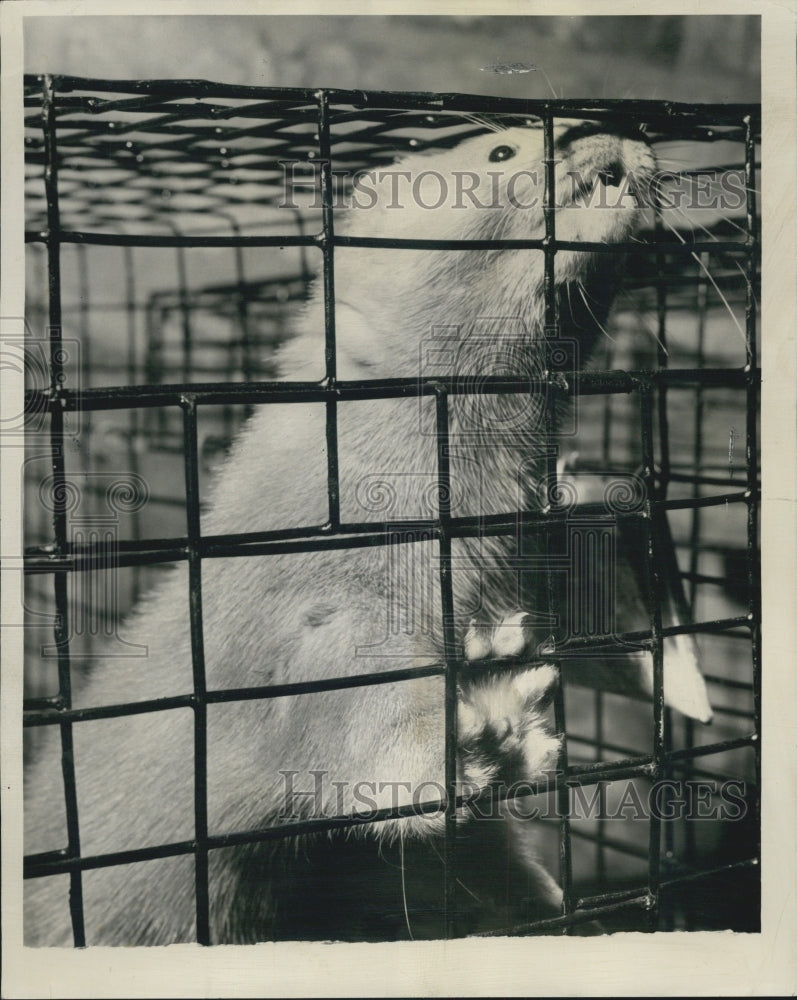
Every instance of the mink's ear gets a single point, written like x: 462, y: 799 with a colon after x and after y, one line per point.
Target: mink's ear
x: 536, y: 686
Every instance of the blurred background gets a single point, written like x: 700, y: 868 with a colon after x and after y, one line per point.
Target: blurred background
x: 663, y: 57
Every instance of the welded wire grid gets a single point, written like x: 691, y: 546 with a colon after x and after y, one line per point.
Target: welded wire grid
x: 147, y: 167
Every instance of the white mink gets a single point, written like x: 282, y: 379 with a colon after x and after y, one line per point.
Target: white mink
x: 309, y: 616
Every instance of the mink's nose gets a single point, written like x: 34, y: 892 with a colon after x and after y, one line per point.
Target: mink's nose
x: 612, y: 175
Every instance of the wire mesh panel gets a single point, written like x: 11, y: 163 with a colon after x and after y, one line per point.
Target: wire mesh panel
x: 174, y: 229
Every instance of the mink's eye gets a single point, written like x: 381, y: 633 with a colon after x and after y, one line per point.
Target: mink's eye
x: 502, y: 153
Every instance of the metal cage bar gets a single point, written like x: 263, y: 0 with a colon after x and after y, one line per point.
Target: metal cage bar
x: 752, y: 499
x: 199, y: 696
x: 57, y: 441
x: 550, y: 447
x: 451, y: 662
x: 330, y: 343
x: 322, y: 108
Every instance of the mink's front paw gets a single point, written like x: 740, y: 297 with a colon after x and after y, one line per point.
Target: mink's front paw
x: 503, y: 729
x: 510, y: 638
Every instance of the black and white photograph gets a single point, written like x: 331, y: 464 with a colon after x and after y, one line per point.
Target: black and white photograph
x: 383, y: 473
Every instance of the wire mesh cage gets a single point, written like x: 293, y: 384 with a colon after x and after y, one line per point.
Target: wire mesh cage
x: 173, y: 231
